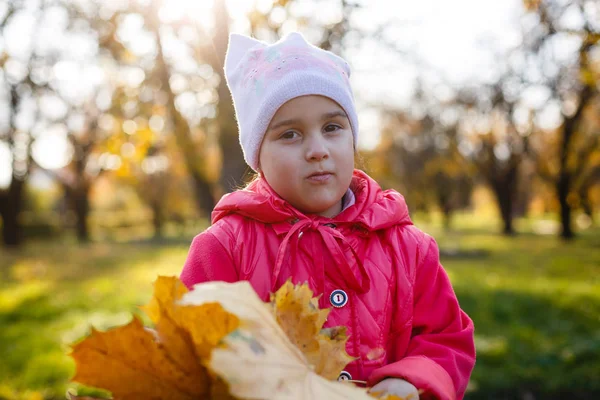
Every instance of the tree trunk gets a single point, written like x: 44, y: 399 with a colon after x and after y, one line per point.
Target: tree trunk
x: 444, y: 200
x: 157, y: 219
x: 82, y: 211
x: 10, y: 207
x: 505, y: 200
x: 77, y: 199
x: 503, y: 180
x: 584, y: 192
x: 586, y: 205
x: 203, y: 188
x: 447, y: 219
x: 562, y: 190
x: 506, y: 210
x: 204, y: 196
x: 234, y: 168
x: 565, y: 176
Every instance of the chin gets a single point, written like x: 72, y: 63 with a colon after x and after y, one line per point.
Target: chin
x: 320, y: 207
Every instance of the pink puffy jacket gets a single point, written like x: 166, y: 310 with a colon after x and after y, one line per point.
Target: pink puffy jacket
x: 379, y: 273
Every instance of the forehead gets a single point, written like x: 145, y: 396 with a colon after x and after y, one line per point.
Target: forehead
x: 307, y: 106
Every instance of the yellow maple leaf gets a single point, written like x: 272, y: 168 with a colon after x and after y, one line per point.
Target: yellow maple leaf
x: 298, y: 314
x: 178, y: 343
x: 258, y: 360
x: 182, y: 329
x: 207, y: 325
x: 333, y: 356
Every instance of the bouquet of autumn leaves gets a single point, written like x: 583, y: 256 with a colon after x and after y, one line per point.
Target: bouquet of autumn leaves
x: 220, y: 341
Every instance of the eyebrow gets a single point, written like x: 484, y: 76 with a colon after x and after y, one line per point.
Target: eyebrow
x: 324, y: 117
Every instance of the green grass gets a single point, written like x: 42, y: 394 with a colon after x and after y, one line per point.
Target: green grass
x: 51, y: 294
x: 535, y: 301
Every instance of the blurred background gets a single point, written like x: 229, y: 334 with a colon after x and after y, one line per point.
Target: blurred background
x: 117, y: 137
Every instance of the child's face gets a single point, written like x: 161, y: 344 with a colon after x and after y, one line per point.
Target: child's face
x: 307, y: 155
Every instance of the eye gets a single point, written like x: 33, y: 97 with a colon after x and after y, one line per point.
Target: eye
x: 288, y: 135
x: 332, y: 128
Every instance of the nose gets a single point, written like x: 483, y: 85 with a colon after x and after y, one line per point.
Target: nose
x: 317, y: 149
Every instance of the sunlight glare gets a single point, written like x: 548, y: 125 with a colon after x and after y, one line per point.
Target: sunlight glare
x: 195, y: 10
x: 51, y: 149
x: 5, y: 165
x: 202, y: 10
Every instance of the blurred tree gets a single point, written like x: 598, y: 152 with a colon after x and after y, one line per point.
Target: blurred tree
x: 48, y: 107
x: 79, y: 179
x: 327, y: 30
x: 495, y: 134
x: 72, y: 111
x: 78, y: 176
x: 149, y: 158
x: 11, y: 199
x: 589, y: 180
x: 233, y: 169
x: 452, y: 182
x: 422, y: 157
x: 485, y: 134
x: 563, y: 44
x: 20, y: 67
x: 496, y: 147
x: 181, y: 85
x: 404, y: 147
x: 154, y: 182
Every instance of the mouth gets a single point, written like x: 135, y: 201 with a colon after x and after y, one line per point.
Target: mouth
x: 320, y: 176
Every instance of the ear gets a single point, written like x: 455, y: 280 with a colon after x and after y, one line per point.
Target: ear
x: 236, y: 48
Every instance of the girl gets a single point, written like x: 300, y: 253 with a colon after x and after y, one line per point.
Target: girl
x: 310, y: 216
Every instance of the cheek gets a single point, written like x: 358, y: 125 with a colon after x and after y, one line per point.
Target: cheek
x: 277, y: 168
x: 345, y: 155
x: 345, y: 164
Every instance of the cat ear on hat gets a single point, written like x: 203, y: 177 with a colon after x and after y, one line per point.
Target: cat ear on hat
x: 236, y: 48
x: 299, y: 39
x: 294, y: 37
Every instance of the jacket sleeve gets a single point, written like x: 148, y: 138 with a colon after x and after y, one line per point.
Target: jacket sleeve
x: 208, y: 260
x: 441, y: 352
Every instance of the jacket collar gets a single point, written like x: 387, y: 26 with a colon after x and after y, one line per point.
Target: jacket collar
x: 374, y: 209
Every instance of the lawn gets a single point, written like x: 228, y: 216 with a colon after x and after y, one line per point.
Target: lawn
x: 534, y: 299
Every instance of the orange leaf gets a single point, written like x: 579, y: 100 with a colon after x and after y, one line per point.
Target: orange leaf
x: 531, y: 5
x: 71, y: 396
x: 129, y: 362
x: 133, y: 362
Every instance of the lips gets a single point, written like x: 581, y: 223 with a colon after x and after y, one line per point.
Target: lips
x: 320, y: 176
x: 320, y: 173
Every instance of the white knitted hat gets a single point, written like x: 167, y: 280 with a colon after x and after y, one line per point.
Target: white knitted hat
x: 263, y: 77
